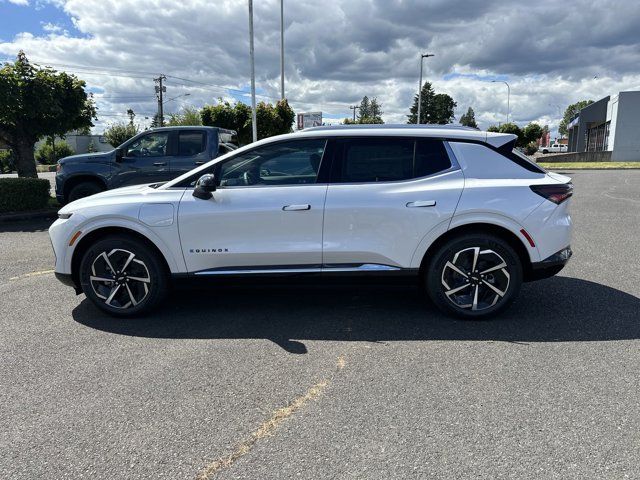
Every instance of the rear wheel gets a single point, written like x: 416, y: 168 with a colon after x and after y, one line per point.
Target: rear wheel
x: 475, y: 276
x: 84, y: 189
x: 123, y: 276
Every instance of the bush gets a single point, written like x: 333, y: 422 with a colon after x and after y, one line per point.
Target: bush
x: 531, y: 148
x: 118, y: 133
x: 20, y: 194
x: 7, y: 162
x: 47, y: 156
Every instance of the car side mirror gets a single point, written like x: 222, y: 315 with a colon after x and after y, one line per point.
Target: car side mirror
x: 204, y: 186
x: 119, y: 154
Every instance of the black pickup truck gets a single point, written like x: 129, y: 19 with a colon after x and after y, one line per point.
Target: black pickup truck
x: 153, y: 156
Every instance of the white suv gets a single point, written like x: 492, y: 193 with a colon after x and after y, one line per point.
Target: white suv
x: 457, y: 208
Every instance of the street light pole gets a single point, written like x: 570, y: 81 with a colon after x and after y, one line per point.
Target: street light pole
x: 254, y: 127
x: 422, y: 56
x: 508, y: 95
x: 282, y: 49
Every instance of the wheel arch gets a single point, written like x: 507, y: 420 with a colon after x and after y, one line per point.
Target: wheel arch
x: 87, y: 240
x: 79, y: 178
x: 488, y: 228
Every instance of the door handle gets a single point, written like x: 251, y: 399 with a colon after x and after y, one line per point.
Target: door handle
x: 422, y: 203
x: 200, y: 162
x: 288, y: 208
x: 159, y: 164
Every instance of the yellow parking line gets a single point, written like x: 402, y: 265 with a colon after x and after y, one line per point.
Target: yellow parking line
x: 32, y: 274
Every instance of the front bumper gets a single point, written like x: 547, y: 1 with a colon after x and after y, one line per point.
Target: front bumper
x: 68, y: 280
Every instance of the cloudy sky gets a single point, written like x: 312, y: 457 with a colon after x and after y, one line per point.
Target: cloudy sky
x: 551, y: 53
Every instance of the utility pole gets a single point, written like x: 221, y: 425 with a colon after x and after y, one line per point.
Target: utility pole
x: 422, y: 57
x: 160, y: 89
x: 354, y: 108
x: 254, y: 127
x: 282, y: 49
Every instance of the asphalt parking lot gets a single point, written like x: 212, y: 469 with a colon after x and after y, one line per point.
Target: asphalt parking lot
x: 266, y: 381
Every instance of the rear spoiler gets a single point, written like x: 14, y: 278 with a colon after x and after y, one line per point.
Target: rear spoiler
x: 505, y: 143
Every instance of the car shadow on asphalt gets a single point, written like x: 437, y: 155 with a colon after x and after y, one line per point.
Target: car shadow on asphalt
x: 559, y: 309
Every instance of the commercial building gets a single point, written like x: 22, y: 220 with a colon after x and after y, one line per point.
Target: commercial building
x: 611, y: 125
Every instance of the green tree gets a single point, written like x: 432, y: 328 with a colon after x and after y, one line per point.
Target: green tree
x: 526, y: 135
x: 49, y: 153
x: 38, y: 102
x: 469, y: 119
x: 369, y: 112
x: 571, y: 112
x: 233, y: 117
x: 7, y: 161
x: 188, y: 116
x: 510, y: 128
x: 532, y: 133
x: 272, y: 119
x: 435, y: 108
x: 118, y: 133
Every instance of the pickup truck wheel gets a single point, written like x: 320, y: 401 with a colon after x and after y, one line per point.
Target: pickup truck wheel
x: 545, y: 151
x: 84, y: 189
x: 123, y: 276
x: 474, y: 276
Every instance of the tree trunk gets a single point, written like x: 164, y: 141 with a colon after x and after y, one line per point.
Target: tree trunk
x: 25, y: 159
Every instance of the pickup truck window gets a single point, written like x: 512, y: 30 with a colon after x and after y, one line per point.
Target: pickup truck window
x: 191, y: 143
x: 150, y: 145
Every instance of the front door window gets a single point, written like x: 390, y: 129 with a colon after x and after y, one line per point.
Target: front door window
x: 151, y: 145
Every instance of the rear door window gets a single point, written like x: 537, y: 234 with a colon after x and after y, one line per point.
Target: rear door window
x: 191, y: 143
x: 387, y: 159
x: 431, y: 157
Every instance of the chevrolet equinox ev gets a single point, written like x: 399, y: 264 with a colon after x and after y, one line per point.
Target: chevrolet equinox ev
x: 462, y: 211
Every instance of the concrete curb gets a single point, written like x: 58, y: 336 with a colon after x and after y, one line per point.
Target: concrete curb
x: 32, y: 215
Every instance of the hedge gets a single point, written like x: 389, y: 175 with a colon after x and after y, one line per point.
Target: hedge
x: 20, y: 194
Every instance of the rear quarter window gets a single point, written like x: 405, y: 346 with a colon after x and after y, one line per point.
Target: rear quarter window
x: 480, y: 161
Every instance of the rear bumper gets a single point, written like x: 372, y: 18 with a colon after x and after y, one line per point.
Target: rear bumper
x: 550, y: 265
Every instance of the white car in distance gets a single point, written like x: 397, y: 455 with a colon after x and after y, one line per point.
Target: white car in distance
x: 455, y: 207
x: 555, y: 148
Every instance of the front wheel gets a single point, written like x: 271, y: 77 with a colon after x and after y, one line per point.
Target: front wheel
x: 84, y: 189
x: 474, y: 276
x: 123, y: 276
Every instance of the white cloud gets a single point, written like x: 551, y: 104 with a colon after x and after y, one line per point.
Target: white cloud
x: 338, y: 52
x: 51, y: 27
x: 19, y: 2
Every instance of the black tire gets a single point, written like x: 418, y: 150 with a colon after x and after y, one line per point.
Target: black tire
x: 545, y: 151
x: 440, y: 275
x: 84, y: 189
x: 133, y: 288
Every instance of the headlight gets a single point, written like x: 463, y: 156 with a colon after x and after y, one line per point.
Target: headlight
x: 64, y: 216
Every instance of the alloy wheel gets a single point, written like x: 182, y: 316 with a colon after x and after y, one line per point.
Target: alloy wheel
x: 475, y: 278
x: 120, y: 279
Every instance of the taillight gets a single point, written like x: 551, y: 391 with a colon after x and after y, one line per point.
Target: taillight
x: 556, y: 193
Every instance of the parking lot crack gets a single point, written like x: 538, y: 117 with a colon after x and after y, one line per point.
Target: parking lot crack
x: 269, y: 427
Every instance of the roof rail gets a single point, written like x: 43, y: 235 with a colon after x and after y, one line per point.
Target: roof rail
x: 450, y: 126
